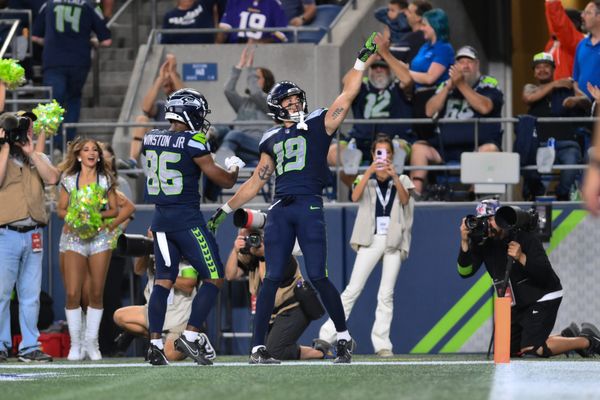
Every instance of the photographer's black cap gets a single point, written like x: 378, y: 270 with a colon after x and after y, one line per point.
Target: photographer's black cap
x: 27, y: 114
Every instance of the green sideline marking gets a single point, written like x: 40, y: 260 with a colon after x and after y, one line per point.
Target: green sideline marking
x: 453, y: 316
x: 448, y: 321
x: 470, y: 327
x: 564, y: 229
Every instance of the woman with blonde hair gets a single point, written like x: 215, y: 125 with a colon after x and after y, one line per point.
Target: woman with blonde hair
x: 88, y: 176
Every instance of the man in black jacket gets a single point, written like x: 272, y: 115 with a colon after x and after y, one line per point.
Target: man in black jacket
x: 533, y: 285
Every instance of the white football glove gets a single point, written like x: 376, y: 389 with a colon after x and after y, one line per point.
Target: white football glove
x: 234, y: 161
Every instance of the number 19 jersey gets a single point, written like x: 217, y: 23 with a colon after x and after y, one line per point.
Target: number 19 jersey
x: 300, y: 156
x: 172, y: 178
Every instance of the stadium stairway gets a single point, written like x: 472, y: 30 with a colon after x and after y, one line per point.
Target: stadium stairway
x: 116, y: 67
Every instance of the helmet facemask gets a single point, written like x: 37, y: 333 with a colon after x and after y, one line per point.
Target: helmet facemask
x: 278, y: 94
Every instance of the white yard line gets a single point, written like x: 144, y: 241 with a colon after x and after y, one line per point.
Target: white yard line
x: 235, y: 364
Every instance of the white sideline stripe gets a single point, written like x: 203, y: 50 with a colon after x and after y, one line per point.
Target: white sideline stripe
x: 235, y: 364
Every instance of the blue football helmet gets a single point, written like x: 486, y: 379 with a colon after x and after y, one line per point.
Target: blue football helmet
x: 189, y: 107
x: 280, y: 91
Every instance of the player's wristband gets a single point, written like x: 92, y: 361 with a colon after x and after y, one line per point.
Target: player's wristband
x: 226, y: 209
x: 359, y: 65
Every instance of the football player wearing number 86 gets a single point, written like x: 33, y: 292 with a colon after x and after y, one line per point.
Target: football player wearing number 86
x: 296, y: 152
x: 175, y: 158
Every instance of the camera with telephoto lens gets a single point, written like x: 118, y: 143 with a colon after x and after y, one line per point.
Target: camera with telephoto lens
x: 132, y: 245
x: 249, y: 219
x: 479, y: 228
x: 253, y: 240
x: 513, y: 218
x: 253, y: 220
x: 15, y: 129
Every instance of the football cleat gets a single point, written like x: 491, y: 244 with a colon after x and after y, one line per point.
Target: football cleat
x: 344, y: 349
x: 156, y: 356
x: 193, y: 350
x: 209, y: 351
x: 262, y: 356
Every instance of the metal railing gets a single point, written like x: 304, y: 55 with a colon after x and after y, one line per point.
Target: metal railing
x: 351, y: 4
x: 294, y: 29
x: 29, y: 52
x: 11, y: 35
x: 349, y: 122
x: 15, y: 101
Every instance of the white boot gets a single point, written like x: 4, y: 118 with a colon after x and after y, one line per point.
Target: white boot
x: 83, y: 349
x: 94, y: 316
x: 74, y: 322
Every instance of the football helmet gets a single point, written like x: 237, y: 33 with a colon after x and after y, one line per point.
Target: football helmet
x: 189, y: 107
x: 277, y: 94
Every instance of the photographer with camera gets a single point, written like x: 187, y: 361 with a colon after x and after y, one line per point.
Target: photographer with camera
x: 134, y: 319
x: 292, y: 312
x: 23, y: 174
x: 503, y: 239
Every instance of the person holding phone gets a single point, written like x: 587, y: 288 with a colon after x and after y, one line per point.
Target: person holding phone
x: 382, y: 229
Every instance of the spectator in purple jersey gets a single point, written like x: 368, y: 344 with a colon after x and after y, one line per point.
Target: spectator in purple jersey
x: 248, y: 14
x: 191, y: 14
x: 66, y: 59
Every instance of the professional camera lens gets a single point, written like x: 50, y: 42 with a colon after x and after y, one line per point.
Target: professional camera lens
x: 249, y: 219
x: 472, y: 222
x: 253, y: 240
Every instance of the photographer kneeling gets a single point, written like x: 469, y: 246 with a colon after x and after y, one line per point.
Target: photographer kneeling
x: 288, y: 320
x: 134, y: 319
x: 492, y: 236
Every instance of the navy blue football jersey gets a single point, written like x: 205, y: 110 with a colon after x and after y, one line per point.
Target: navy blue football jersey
x: 300, y: 156
x: 66, y: 26
x: 372, y: 104
x: 172, y: 177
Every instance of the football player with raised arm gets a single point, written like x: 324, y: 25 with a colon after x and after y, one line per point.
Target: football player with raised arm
x: 296, y: 151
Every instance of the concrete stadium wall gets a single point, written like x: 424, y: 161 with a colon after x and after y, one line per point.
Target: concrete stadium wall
x: 434, y: 309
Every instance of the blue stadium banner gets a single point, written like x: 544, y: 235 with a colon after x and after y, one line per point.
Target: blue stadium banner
x: 200, y: 72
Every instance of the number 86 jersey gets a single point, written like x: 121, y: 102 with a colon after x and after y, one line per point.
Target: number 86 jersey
x: 300, y: 156
x: 172, y: 177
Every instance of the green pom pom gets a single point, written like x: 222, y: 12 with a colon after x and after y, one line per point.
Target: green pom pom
x: 11, y: 73
x: 84, y: 212
x: 49, y: 117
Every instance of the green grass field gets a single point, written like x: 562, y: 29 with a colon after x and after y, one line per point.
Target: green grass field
x: 368, y: 378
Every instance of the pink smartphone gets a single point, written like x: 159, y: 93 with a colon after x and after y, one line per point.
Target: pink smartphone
x: 381, y: 156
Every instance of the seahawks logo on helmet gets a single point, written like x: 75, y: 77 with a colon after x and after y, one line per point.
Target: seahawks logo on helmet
x: 189, y: 107
x: 277, y: 94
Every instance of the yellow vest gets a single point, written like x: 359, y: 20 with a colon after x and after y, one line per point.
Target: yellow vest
x: 22, y: 194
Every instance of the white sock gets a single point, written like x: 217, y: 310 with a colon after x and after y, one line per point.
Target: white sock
x: 344, y: 335
x: 158, y: 343
x: 255, y: 348
x: 190, y: 336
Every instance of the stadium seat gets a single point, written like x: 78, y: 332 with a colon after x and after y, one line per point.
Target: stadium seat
x: 326, y: 13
